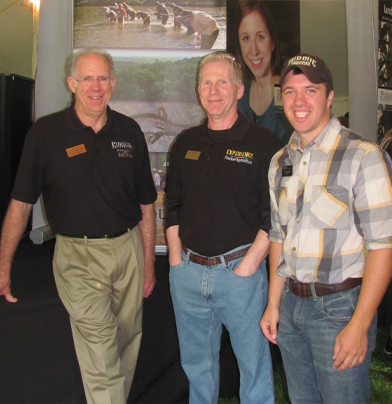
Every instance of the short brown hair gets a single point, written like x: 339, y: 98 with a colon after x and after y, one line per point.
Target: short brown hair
x: 244, y: 7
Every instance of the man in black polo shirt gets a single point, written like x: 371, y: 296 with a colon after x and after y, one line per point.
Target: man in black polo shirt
x: 217, y: 219
x: 91, y: 165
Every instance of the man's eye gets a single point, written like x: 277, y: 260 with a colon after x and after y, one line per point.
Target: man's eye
x: 87, y: 79
x: 103, y: 79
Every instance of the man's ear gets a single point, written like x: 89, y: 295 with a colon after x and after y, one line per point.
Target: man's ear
x: 240, y: 91
x: 330, y: 98
x: 71, y: 83
x: 113, y: 82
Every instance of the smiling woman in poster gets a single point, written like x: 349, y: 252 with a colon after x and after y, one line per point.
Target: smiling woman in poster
x: 259, y: 55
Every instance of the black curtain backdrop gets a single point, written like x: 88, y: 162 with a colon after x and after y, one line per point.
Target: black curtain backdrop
x: 38, y: 360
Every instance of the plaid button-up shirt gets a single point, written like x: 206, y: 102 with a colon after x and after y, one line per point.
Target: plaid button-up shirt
x: 330, y: 204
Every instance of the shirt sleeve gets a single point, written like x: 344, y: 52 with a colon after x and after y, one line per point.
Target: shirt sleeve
x: 372, y: 194
x: 265, y: 198
x: 275, y: 232
x: 30, y: 177
x: 173, y: 188
x: 144, y: 183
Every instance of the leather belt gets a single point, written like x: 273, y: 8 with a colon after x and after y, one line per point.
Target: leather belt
x: 113, y: 235
x: 322, y: 289
x: 214, y: 261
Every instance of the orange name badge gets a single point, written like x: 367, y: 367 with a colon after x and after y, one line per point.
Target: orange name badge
x: 192, y: 155
x: 76, y: 150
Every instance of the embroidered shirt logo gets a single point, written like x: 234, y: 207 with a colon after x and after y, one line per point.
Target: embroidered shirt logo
x: 124, y: 149
x: 239, y: 156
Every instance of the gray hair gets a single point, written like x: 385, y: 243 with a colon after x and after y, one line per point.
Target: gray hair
x: 226, y: 58
x: 73, y: 60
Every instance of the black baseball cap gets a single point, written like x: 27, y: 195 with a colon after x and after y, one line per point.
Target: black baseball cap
x: 313, y: 67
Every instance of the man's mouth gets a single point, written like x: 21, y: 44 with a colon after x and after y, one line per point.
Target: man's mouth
x: 301, y: 114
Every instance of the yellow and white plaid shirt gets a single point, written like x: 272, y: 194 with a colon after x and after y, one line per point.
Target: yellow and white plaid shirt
x: 330, y: 204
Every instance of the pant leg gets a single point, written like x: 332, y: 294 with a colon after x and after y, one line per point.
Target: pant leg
x: 199, y: 329
x: 318, y: 322
x: 127, y: 301
x: 84, y: 273
x: 240, y: 302
x: 296, y: 353
x: 207, y: 41
x: 332, y: 313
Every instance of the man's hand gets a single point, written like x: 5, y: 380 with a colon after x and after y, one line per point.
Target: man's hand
x: 14, y: 224
x: 255, y: 255
x: 269, y: 324
x: 245, y: 270
x: 147, y: 230
x: 350, y: 348
x: 149, y: 284
x: 5, y: 289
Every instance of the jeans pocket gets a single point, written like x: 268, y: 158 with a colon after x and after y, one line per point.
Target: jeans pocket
x: 177, y: 266
x: 340, y: 306
x: 234, y: 264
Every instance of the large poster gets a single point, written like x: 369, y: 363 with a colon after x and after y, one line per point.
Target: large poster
x: 156, y: 48
x: 160, y: 95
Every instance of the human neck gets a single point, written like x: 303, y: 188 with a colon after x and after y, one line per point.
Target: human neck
x: 96, y: 123
x: 266, y: 83
x: 224, y: 123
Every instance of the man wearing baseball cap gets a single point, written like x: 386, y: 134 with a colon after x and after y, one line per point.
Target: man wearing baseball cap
x: 331, y: 243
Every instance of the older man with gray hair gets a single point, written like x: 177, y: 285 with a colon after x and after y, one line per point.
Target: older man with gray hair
x: 92, y: 167
x: 217, y: 219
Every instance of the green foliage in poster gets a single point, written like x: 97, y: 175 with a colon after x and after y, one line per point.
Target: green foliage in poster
x: 162, y: 80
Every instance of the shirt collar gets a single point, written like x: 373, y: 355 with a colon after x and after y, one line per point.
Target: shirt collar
x: 236, y: 133
x: 323, y: 141
x: 75, y: 124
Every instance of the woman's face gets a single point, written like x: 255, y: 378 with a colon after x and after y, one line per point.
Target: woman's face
x: 256, y: 44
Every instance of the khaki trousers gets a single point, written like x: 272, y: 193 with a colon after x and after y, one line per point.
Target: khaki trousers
x: 100, y: 282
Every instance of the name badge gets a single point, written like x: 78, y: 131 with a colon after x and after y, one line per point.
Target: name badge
x: 287, y: 171
x: 76, y: 150
x: 192, y: 155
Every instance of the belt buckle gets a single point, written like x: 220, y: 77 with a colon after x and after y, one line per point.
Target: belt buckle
x: 213, y: 259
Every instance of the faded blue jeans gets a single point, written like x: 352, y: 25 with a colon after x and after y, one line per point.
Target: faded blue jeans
x: 205, y: 297
x: 307, y: 331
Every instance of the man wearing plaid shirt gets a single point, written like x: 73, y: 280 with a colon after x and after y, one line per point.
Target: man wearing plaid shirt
x: 331, y: 243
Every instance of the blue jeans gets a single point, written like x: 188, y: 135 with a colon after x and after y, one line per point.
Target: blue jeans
x: 308, y: 328
x: 204, y: 297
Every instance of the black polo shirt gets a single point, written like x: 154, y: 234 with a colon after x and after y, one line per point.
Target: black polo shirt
x: 217, y: 186
x: 92, y: 184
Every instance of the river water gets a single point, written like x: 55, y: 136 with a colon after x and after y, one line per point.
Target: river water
x: 91, y: 29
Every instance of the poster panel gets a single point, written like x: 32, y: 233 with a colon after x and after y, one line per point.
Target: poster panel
x: 159, y: 93
x: 156, y: 63
x: 149, y: 24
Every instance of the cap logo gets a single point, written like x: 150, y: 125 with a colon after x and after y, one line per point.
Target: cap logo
x: 302, y: 61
